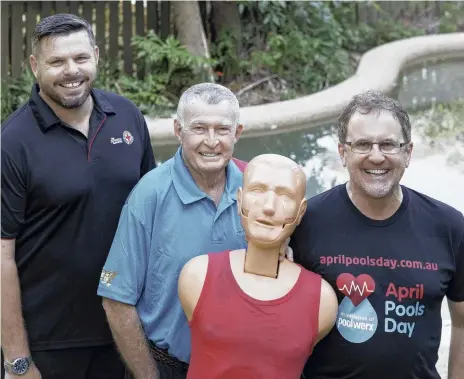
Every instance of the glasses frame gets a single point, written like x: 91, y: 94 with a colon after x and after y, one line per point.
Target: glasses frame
x: 400, y: 146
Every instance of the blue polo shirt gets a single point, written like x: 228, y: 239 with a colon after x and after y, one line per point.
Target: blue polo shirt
x: 166, y: 221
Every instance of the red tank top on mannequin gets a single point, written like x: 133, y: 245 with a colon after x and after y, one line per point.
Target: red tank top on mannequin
x: 235, y: 336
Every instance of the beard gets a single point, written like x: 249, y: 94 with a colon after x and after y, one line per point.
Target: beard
x: 70, y: 101
x: 376, y: 189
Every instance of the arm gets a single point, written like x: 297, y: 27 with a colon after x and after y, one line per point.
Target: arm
x: 130, y: 339
x: 328, y: 309
x: 190, y: 284
x: 121, y: 284
x: 14, y: 337
x: 455, y: 296
x: 456, y: 353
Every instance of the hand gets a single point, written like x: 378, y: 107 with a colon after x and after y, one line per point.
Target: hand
x: 286, y: 251
x: 32, y: 373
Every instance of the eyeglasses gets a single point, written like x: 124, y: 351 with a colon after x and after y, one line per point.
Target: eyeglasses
x: 386, y: 147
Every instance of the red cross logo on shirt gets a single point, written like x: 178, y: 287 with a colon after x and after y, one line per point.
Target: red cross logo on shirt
x: 127, y: 137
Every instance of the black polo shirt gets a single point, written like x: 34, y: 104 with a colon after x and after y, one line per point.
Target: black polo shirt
x: 62, y: 194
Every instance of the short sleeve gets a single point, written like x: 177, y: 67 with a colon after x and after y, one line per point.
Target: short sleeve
x: 456, y: 286
x: 123, y: 275
x: 148, y: 160
x: 14, y: 197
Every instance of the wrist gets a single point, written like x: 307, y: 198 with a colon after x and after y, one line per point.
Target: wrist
x: 18, y: 365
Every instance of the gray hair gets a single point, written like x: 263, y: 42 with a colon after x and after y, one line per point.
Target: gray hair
x: 368, y: 102
x: 60, y: 24
x: 209, y: 93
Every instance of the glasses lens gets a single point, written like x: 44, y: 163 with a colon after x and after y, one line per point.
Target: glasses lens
x: 389, y: 147
x: 361, y: 147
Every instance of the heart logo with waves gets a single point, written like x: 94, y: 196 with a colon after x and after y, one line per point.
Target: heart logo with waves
x: 357, y: 289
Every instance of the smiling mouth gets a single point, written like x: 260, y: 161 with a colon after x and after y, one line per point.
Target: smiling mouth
x: 72, y: 85
x: 377, y: 172
x: 210, y: 155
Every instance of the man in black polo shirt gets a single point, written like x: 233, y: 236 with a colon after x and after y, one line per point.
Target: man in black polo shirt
x: 391, y: 254
x: 70, y: 157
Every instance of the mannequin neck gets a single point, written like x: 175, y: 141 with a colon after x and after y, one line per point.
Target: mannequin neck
x: 262, y: 261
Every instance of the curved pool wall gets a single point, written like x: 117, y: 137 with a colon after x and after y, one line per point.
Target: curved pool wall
x: 378, y: 69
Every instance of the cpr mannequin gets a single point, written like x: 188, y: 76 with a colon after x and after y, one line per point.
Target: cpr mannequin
x: 250, y: 315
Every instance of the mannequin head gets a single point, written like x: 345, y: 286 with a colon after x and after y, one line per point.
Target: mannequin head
x: 272, y: 200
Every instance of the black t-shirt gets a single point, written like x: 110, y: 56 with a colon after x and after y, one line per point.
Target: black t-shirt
x: 390, y: 277
x: 62, y: 194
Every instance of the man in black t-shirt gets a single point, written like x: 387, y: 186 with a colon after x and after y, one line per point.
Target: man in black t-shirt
x: 392, y: 254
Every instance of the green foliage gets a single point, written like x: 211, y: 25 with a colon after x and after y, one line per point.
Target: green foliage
x: 308, y: 65
x: 16, y: 92
x: 453, y: 17
x: 366, y: 37
x: 308, y: 45
x: 169, y: 69
x: 228, y: 58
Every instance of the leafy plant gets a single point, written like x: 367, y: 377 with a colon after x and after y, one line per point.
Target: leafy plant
x: 452, y: 19
x: 169, y: 69
x: 16, y: 92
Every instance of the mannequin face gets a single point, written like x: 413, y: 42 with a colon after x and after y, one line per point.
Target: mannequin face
x: 272, y: 201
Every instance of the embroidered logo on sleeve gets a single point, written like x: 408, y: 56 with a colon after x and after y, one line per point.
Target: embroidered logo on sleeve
x: 107, y: 277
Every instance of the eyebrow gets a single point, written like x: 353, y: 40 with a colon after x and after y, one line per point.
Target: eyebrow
x: 386, y: 139
x: 54, y: 57
x: 278, y: 188
x: 204, y: 122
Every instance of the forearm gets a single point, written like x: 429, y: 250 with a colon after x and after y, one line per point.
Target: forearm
x: 14, y: 336
x: 456, y: 353
x: 130, y: 339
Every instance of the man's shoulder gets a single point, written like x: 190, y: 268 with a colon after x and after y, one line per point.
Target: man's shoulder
x: 17, y: 122
x: 117, y: 101
x: 435, y: 210
x: 155, y: 182
x: 325, y: 199
x: 20, y: 132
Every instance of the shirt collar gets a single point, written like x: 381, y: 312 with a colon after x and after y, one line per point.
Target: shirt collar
x: 189, y: 192
x: 45, y: 116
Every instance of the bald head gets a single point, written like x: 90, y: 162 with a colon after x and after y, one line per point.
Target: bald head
x: 276, y: 170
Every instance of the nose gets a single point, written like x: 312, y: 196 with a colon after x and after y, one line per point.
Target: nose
x: 376, y: 156
x: 211, y: 141
x: 71, y: 67
x: 269, y: 203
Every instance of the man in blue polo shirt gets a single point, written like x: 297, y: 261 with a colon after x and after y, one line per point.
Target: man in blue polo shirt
x: 184, y: 208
